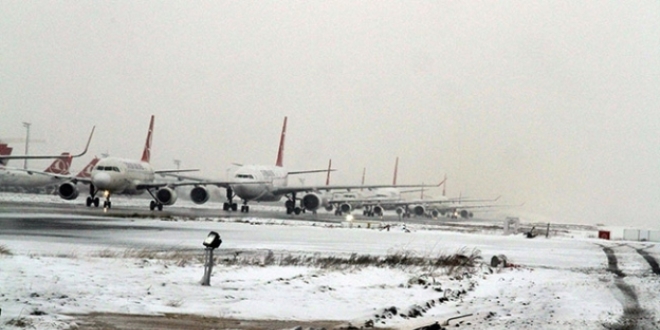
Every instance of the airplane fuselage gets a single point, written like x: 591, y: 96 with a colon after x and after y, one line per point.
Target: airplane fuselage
x: 19, y: 178
x: 269, y: 178
x: 121, y: 176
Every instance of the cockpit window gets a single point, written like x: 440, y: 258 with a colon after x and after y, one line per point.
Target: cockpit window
x: 244, y: 176
x: 107, y: 168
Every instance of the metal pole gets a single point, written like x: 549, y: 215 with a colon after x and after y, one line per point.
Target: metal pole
x: 208, y: 267
x: 27, y: 142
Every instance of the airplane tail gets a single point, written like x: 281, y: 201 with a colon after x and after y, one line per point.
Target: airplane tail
x: 87, y: 171
x: 146, y: 154
x: 60, y: 165
x: 444, y: 186
x: 364, y: 171
x: 396, y: 168
x: 5, y: 151
x: 280, y: 151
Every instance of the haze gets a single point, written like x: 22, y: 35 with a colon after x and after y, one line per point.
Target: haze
x: 551, y: 103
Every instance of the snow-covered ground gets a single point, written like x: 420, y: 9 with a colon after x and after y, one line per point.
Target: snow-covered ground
x: 562, y: 282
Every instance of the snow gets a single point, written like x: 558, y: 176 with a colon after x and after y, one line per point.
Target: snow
x: 561, y: 282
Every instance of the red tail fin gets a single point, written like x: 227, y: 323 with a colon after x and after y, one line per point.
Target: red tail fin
x: 364, y: 170
x: 5, y: 151
x: 60, y: 165
x: 146, y: 154
x: 327, y: 179
x: 396, y: 168
x: 280, y: 151
x: 444, y: 185
x: 87, y: 171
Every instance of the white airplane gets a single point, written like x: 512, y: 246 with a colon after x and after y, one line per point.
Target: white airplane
x: 267, y: 183
x: 345, y: 202
x: 114, y: 175
x: 25, y: 178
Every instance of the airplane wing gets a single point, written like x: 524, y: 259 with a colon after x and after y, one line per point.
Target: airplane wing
x: 297, y: 189
x: 166, y: 172
x: 52, y: 156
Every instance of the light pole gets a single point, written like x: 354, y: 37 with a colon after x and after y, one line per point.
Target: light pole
x: 177, y: 162
x: 27, y: 141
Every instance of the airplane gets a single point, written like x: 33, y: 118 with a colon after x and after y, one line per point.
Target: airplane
x: 268, y: 183
x: 114, y: 175
x: 26, y: 178
x: 5, y: 158
x: 345, y: 202
x: 442, y: 205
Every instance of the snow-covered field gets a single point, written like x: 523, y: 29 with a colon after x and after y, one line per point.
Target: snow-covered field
x: 567, y: 282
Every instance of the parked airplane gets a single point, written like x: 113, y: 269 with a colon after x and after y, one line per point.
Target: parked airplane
x: 114, y: 175
x: 22, y: 178
x: 345, y: 202
x: 267, y: 183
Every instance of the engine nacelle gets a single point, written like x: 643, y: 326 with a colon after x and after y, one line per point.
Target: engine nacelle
x: 465, y: 214
x: 329, y: 207
x: 419, y: 210
x: 68, y: 191
x: 345, y: 208
x: 378, y: 210
x: 400, y: 210
x: 313, y: 201
x: 199, y: 195
x: 166, y: 196
x: 435, y: 213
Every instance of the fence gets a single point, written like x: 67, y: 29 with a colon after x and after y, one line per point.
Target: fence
x: 641, y: 235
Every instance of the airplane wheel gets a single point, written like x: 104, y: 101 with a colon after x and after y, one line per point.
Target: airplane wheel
x: 247, y: 209
x: 160, y: 207
x: 289, y: 204
x: 297, y: 210
x: 109, y: 204
x: 242, y: 208
x: 289, y: 210
x: 234, y: 206
x: 225, y: 207
x: 152, y: 205
x: 89, y: 201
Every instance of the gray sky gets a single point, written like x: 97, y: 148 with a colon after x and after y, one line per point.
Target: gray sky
x: 552, y: 103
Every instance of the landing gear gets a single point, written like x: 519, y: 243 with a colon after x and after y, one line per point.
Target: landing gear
x: 229, y: 205
x: 92, y: 199
x: 155, y: 205
x: 245, y: 208
x: 291, y: 207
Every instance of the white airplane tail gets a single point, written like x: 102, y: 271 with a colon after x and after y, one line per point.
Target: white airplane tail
x: 5, y: 150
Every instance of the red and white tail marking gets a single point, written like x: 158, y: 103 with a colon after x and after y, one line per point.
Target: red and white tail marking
x: 396, y: 168
x: 146, y: 154
x: 87, y: 171
x: 60, y: 165
x: 280, y: 151
x: 5, y: 151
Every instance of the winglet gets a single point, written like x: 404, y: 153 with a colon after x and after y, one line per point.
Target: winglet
x: 87, y: 145
x: 280, y: 151
x: 146, y: 153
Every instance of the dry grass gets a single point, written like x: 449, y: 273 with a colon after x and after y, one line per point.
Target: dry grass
x: 4, y: 251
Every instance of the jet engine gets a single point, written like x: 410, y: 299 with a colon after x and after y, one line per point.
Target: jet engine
x: 313, y: 201
x: 199, y: 195
x: 345, y: 208
x: 378, y: 210
x: 465, y: 214
x: 166, y: 196
x: 68, y: 191
x: 400, y: 210
x: 329, y: 208
x: 435, y: 213
x: 419, y: 210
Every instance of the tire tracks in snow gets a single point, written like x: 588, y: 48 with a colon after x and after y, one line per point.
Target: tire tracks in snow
x: 649, y: 259
x: 634, y: 316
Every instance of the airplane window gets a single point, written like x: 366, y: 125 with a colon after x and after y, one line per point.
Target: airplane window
x: 116, y: 169
x: 100, y: 168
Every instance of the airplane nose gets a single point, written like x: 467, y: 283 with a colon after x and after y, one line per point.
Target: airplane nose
x: 101, y: 180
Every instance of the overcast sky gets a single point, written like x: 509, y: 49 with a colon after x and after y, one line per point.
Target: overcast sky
x: 551, y: 103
